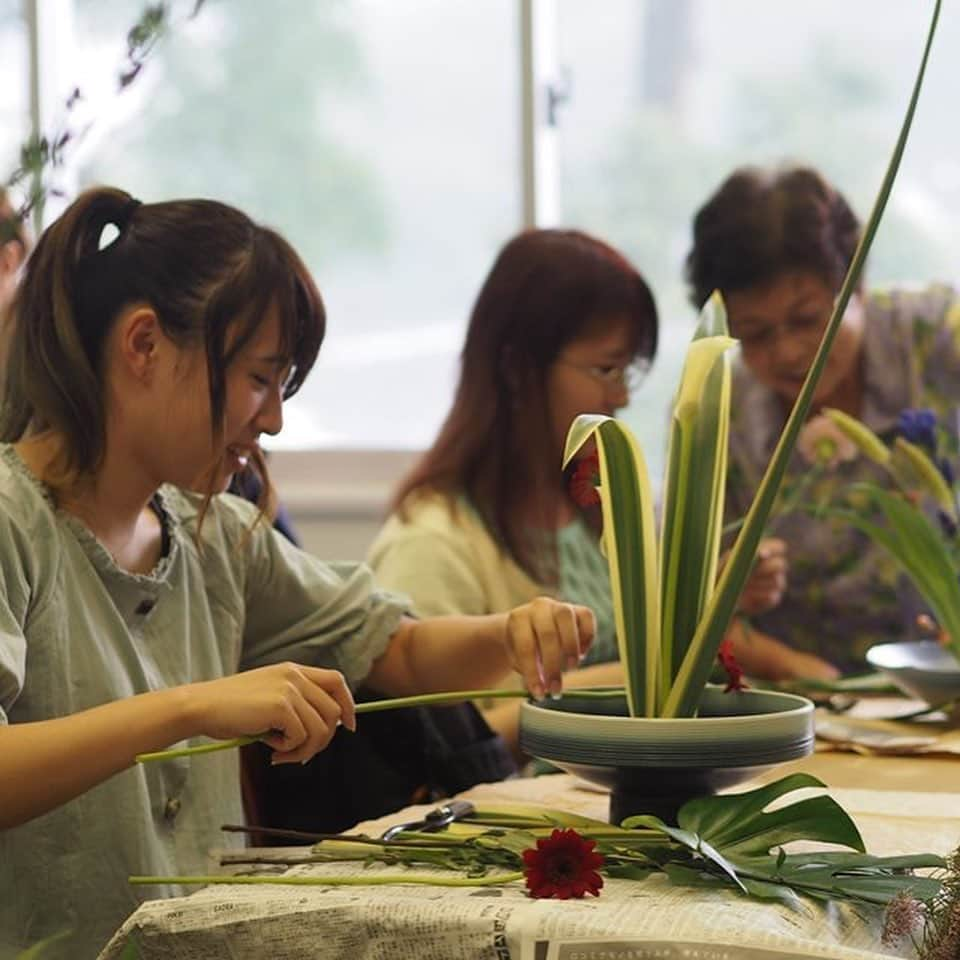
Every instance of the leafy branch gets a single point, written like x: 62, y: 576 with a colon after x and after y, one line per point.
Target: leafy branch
x: 43, y: 155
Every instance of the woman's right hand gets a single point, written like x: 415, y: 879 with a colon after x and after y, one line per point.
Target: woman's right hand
x: 298, y: 708
x: 768, y: 579
x: 808, y: 666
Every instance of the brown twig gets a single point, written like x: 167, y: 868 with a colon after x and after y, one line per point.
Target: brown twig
x: 318, y: 837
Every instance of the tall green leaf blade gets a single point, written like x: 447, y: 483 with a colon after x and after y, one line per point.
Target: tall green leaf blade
x: 676, y: 476
x: 686, y: 691
x: 581, y: 431
x: 695, y: 505
x: 712, y: 321
x: 629, y: 539
x: 912, y: 541
x: 693, y: 487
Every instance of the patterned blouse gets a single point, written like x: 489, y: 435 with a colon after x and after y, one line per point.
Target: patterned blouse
x: 844, y: 593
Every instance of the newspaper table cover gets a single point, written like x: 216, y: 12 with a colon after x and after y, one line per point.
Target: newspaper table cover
x: 630, y: 919
x: 443, y: 923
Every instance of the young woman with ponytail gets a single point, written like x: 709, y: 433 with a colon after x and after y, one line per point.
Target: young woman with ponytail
x: 151, y: 346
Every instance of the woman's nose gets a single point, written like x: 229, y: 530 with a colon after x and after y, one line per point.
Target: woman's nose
x: 270, y: 417
x: 618, y: 396
x: 790, y: 352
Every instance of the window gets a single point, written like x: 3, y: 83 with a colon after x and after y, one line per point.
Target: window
x: 381, y: 138
x: 14, y: 88
x: 384, y: 139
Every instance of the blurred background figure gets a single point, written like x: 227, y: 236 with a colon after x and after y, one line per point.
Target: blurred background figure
x: 563, y: 325
x: 777, y: 244
x: 14, y: 246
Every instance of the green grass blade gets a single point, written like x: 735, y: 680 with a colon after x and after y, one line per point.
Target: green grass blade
x: 686, y: 691
x: 911, y: 539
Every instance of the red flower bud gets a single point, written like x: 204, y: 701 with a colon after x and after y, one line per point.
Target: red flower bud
x: 585, y: 480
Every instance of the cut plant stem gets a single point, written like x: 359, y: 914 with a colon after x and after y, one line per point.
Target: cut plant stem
x: 373, y: 706
x: 351, y: 881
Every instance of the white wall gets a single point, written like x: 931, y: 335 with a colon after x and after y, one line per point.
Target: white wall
x: 337, y: 499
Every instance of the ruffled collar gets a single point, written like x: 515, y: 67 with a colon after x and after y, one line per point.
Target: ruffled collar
x: 99, y: 556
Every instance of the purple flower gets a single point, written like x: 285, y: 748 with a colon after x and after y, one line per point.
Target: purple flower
x: 919, y: 427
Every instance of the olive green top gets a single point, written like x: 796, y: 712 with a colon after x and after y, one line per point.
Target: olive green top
x: 444, y: 557
x: 77, y: 631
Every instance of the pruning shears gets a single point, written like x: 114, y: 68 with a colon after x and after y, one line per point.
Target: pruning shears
x: 437, y: 819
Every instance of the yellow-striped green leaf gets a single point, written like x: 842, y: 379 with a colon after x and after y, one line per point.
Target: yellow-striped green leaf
x: 629, y: 539
x: 929, y: 478
x: 916, y: 545
x: 694, y: 488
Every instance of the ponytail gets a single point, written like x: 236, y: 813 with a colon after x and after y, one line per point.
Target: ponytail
x: 53, y: 377
x: 210, y: 274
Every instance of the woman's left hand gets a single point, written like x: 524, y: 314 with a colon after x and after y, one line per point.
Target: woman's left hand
x: 546, y: 637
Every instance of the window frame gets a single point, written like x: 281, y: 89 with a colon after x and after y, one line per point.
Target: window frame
x: 324, y: 484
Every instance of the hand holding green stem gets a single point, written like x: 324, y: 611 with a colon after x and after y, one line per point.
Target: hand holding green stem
x: 373, y: 706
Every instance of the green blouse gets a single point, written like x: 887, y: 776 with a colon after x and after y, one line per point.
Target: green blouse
x: 77, y: 631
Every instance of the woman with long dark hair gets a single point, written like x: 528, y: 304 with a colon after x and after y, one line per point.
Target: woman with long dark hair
x: 563, y: 325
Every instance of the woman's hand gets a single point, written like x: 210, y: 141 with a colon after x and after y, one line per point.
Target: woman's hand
x: 544, y: 638
x: 300, y: 706
x: 768, y: 579
x: 808, y: 666
x: 767, y: 658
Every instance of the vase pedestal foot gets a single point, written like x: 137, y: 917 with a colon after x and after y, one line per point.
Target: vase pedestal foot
x: 625, y: 804
x: 662, y: 791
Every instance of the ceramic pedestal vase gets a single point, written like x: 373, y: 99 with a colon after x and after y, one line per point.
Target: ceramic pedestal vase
x: 654, y: 765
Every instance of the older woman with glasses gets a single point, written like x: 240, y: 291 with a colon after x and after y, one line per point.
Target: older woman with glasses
x: 777, y: 245
x: 563, y: 325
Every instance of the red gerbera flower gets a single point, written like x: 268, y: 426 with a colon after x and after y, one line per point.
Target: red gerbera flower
x: 729, y: 663
x: 563, y: 865
x: 584, y: 481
